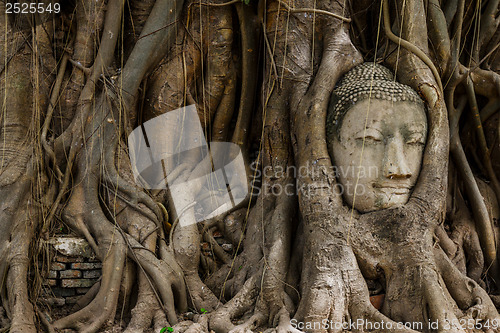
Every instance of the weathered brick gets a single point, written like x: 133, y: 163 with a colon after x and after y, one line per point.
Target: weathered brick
x: 52, y: 274
x: 63, y: 292
x: 70, y: 274
x: 57, y: 266
x: 66, y: 259
x: 82, y: 291
x: 86, y: 265
x: 72, y: 299
x: 55, y: 301
x: 94, y: 274
x: 71, y: 246
x: 77, y: 283
x: 50, y: 282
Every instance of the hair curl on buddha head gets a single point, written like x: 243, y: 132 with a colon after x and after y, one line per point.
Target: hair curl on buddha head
x: 368, y: 80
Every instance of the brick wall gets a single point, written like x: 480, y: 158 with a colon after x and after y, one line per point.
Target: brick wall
x: 73, y: 270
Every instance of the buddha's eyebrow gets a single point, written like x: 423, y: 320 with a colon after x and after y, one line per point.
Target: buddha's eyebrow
x: 371, y: 127
x: 416, y: 128
x: 375, y: 124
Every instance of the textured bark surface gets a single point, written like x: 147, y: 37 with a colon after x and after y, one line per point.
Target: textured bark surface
x: 293, y: 256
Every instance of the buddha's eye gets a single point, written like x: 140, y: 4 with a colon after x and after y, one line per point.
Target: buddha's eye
x: 416, y: 139
x: 369, y: 135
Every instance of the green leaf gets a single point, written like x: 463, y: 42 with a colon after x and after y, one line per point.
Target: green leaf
x: 170, y: 329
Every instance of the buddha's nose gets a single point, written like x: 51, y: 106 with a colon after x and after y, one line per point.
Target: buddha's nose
x: 395, y: 165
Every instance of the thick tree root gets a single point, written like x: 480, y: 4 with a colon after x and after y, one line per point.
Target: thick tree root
x: 24, y: 97
x: 335, y: 248
x: 106, y: 300
x: 220, y: 320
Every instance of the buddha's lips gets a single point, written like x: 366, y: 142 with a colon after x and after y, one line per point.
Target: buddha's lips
x: 402, y: 188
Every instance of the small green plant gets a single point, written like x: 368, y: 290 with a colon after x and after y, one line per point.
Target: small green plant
x: 164, y: 329
x: 203, y: 310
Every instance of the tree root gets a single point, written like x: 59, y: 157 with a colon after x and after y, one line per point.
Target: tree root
x: 220, y: 320
x: 469, y: 296
x: 147, y: 304
x: 23, y: 181
x: 106, y: 300
x: 339, y: 248
x: 462, y: 244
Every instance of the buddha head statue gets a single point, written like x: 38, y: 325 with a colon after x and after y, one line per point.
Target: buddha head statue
x: 376, y: 133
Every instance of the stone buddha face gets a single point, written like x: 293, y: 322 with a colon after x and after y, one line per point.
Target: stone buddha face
x: 377, y: 146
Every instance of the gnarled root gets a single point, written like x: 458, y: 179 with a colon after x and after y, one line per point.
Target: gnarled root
x: 106, y: 300
x: 220, y: 320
